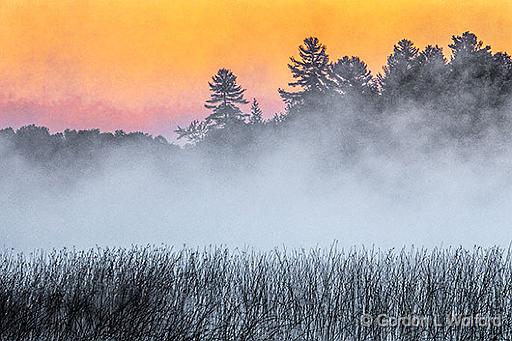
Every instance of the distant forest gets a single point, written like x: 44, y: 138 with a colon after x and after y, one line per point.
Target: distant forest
x: 425, y: 99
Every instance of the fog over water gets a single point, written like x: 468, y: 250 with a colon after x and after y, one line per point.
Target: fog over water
x: 281, y: 198
x: 418, y: 154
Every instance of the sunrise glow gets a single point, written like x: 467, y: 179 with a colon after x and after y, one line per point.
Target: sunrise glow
x: 144, y: 65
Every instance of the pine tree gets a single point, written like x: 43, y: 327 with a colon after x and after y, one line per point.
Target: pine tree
x: 470, y: 82
x: 430, y: 83
x: 399, y: 73
x: 195, y: 132
x: 503, y: 75
x: 311, y: 72
x: 432, y: 57
x: 352, y: 77
x: 476, y: 77
x: 256, y: 116
x: 467, y: 47
x: 225, y: 95
x: 471, y: 63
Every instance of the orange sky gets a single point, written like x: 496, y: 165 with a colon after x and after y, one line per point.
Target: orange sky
x: 144, y: 65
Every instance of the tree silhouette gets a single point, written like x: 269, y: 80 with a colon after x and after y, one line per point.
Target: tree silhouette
x: 311, y: 72
x: 225, y: 95
x: 256, y: 116
x: 460, y: 99
x: 477, y: 73
x: 471, y: 63
x: 472, y: 84
x: 195, y: 132
x: 352, y: 77
x: 399, y: 73
x: 503, y: 77
x: 430, y: 81
x: 467, y: 47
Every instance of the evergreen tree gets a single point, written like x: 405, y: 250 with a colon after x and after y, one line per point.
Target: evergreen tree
x: 256, y: 116
x: 471, y: 64
x: 430, y: 83
x: 399, y: 73
x: 472, y: 84
x: 311, y: 72
x: 278, y: 118
x: 467, y: 48
x: 477, y: 72
x: 351, y: 77
x: 503, y: 77
x: 226, y: 94
x: 195, y: 132
x: 432, y: 57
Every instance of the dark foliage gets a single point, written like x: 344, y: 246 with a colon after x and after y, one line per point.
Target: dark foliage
x: 256, y: 116
x: 81, y: 150
x: 342, y: 108
x: 338, y: 108
x: 352, y: 78
x: 195, y: 132
x: 226, y: 94
x: 310, y: 72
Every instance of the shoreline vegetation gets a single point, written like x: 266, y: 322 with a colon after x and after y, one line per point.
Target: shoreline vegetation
x: 162, y: 293
x: 423, y: 101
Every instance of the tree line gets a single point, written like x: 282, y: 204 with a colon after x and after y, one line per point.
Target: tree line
x: 335, y: 106
x: 468, y: 91
x: 77, y: 149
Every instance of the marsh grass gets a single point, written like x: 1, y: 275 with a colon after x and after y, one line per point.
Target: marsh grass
x: 160, y: 293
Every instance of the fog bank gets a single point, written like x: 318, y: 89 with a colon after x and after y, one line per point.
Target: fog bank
x: 283, y: 198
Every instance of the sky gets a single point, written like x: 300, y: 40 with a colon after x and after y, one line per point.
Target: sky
x: 144, y: 65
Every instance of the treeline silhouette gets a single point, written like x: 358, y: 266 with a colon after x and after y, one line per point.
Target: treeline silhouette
x: 422, y: 99
x: 78, y: 150
x: 463, y: 98
x: 217, y: 294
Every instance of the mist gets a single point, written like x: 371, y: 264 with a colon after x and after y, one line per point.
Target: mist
x: 281, y: 196
x: 419, y: 154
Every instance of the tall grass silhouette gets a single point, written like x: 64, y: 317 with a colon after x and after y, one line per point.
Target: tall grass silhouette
x: 160, y: 293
